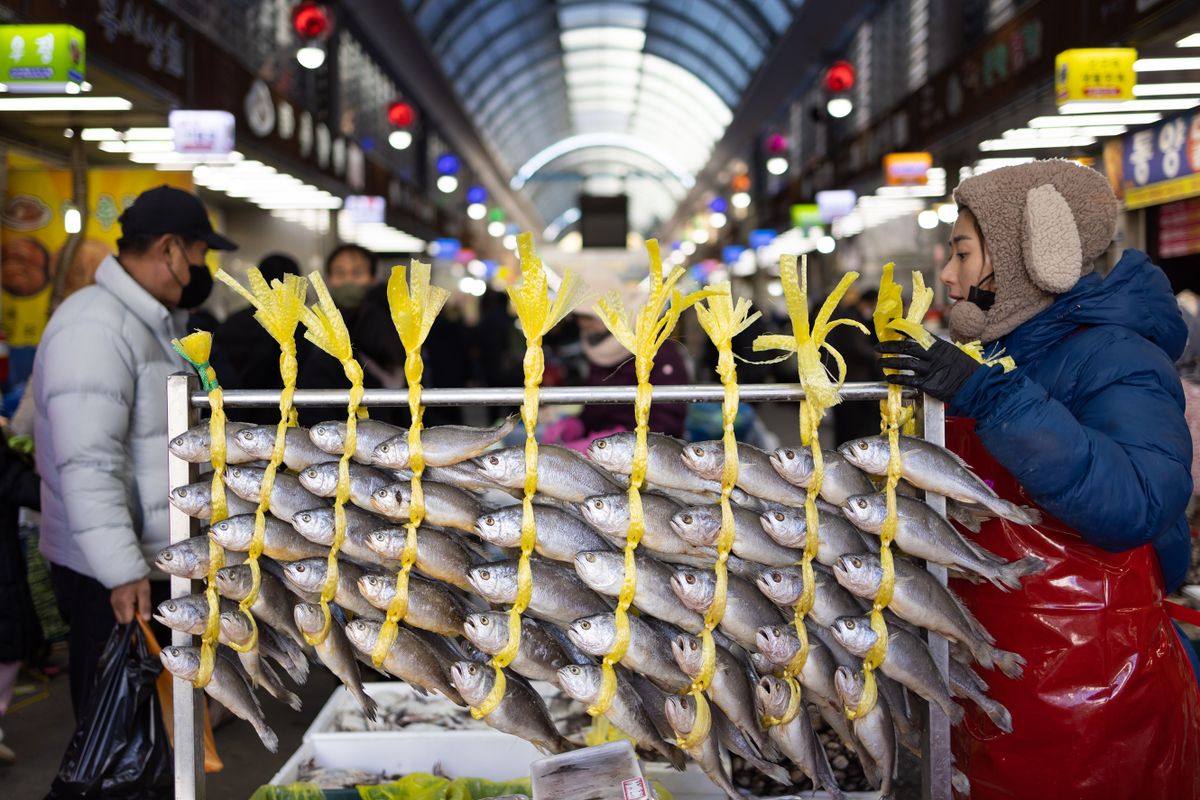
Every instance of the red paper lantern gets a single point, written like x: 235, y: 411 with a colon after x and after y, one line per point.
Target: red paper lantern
x: 400, y: 114
x: 840, y: 77
x: 310, y: 20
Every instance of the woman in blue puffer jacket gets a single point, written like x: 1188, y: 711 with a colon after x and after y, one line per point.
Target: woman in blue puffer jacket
x: 1090, y: 428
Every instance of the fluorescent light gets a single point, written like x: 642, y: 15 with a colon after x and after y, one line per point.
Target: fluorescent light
x: 137, y: 147
x: 928, y: 219
x: 1082, y: 120
x: 1189, y: 41
x: 989, y: 145
x: 64, y: 103
x: 311, y: 56
x: 400, y: 140
x: 777, y: 165
x: 477, y: 211
x: 988, y: 164
x: 1163, y: 89
x: 839, y: 107
x: 740, y: 200
x: 1165, y: 64
x: 1117, y: 106
x: 1058, y: 133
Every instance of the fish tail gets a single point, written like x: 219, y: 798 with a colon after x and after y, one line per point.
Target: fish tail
x: 960, y: 783
x: 1011, y: 664
x: 368, y: 704
x: 1022, y: 515
x: 266, y: 735
x: 1011, y: 574
x: 677, y: 757
x: 953, y: 710
x: 996, y: 712
x: 824, y: 772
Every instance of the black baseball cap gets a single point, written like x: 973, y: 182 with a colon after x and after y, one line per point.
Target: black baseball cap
x: 165, y: 209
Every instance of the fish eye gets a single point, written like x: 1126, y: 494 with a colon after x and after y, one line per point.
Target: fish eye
x: 777, y: 577
x: 300, y: 568
x: 789, y: 454
x: 471, y: 669
x: 690, y: 578
x: 693, y: 645
x: 485, y: 575
x: 166, y: 556
x: 170, y: 606
x: 573, y: 670
x: 600, y: 445
x: 698, y: 451
x: 779, y: 517
x: 306, y: 517
x: 857, y: 562
x: 687, y: 519
x: 383, y: 448
x: 493, y: 460
x: 490, y: 521
x: 862, y: 445
x: 585, y: 625
x: 589, y: 557
x: 381, y: 493
x: 849, y: 624
x: 182, y: 492
x: 484, y: 621
x: 862, y: 503
x: 598, y: 504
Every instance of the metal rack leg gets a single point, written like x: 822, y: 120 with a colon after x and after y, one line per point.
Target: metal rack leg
x: 937, y: 766
x: 188, y: 702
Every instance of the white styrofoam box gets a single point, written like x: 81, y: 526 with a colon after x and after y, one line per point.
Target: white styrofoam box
x: 342, y: 699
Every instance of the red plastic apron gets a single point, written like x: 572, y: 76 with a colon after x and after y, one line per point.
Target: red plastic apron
x: 1108, y: 705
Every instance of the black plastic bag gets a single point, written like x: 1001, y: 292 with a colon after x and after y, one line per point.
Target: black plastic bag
x: 120, y: 749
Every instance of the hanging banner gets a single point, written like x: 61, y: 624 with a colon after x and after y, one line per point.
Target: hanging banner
x: 1179, y: 229
x: 1159, y: 164
x: 202, y: 132
x: 1096, y: 73
x: 42, y: 58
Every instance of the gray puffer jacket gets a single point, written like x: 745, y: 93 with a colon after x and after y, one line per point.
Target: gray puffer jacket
x: 100, y: 384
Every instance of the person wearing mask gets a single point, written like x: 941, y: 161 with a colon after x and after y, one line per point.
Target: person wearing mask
x: 245, y: 356
x: 1089, y: 427
x: 350, y: 274
x: 100, y: 427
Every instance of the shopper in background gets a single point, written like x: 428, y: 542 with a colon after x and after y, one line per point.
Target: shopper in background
x: 101, y: 420
x: 1090, y: 427
x: 351, y: 275
x: 245, y: 356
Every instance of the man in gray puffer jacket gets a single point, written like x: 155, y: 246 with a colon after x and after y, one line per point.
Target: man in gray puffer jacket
x: 99, y: 381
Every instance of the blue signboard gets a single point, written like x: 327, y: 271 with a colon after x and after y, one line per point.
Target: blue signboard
x: 1162, y: 162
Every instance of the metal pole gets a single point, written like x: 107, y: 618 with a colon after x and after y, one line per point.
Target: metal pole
x: 187, y: 700
x: 938, y: 765
x: 552, y: 395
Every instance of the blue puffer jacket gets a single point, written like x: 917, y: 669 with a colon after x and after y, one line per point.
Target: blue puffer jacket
x: 1091, y: 421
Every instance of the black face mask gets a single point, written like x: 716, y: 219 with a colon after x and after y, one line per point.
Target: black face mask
x: 984, y: 298
x: 198, y: 288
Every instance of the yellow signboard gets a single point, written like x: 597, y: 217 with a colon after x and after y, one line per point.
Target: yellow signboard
x: 1096, y: 73
x: 907, y: 169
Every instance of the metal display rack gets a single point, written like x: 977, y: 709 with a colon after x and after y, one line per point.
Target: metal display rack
x: 184, y: 401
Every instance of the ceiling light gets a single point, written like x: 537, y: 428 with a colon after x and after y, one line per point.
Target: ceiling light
x: 740, y: 200
x: 400, y: 140
x: 1117, y: 106
x: 947, y: 213
x: 72, y: 220
x: 839, y: 107
x: 1059, y: 133
x: 717, y: 219
x: 777, y: 165
x: 496, y: 228
x: 1163, y: 89
x: 1165, y: 64
x: 477, y: 211
x: 62, y: 103
x: 688, y: 248
x: 1189, y: 41
x: 137, y: 147
x: 1080, y: 120
x: 928, y: 219
x: 1036, y: 144
x: 826, y: 244
x: 447, y: 183
x: 311, y: 56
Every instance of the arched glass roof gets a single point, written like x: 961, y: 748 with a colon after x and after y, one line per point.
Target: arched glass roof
x: 602, y: 95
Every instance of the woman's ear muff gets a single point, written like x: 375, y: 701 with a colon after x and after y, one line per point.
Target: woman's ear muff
x: 1050, y: 240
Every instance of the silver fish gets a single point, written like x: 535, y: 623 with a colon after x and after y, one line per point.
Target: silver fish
x: 226, y: 686
x: 907, y: 660
x: 746, y: 609
x: 195, y: 500
x: 317, y: 525
x: 298, y: 449
x: 189, y: 558
x: 521, y: 712
x: 922, y: 532
x: 681, y: 711
x: 235, y: 628
x: 648, y: 652
x: 322, y: 480
x: 729, y: 688
x: 784, y: 586
x: 308, y: 575
x: 560, y: 535
x: 288, y: 497
x: 368, y: 434
x: 756, y: 476
x: 609, y: 514
x: 935, y: 469
x: 873, y: 729
x: 796, y: 739
x: 408, y: 658
x: 195, y: 445
x: 604, y: 572
x: 442, y: 445
x: 431, y: 606
x: 539, y: 655
x: 966, y: 684
x: 582, y: 684
x: 664, y: 466
x: 445, y: 506
x: 835, y: 535
x: 840, y: 479
x: 335, y: 653
x: 273, y: 604
x: 700, y: 526
x: 918, y: 598
x: 562, y: 473
x: 466, y: 476
x: 440, y: 555
x: 558, y: 595
x: 280, y: 540
x: 188, y: 613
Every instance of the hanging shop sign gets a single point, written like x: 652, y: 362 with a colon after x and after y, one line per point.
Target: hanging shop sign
x: 43, y: 58
x: 907, y: 169
x: 836, y: 203
x: 1179, y: 229
x: 363, y: 209
x: 805, y: 215
x: 202, y: 132
x: 1094, y: 73
x: 1159, y: 164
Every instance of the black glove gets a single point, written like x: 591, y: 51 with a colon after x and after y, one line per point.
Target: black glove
x: 940, y: 371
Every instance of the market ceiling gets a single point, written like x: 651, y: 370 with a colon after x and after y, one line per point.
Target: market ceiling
x: 602, y: 97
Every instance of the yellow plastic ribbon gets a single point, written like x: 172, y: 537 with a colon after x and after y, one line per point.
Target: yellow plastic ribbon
x: 277, y: 308
x: 722, y: 320
x: 196, y: 349
x: 891, y: 322
x: 326, y: 329
x: 414, y: 304
x: 642, y: 334
x: 821, y: 391
x: 537, y: 315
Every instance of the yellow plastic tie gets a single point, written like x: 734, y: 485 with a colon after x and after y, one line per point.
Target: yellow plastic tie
x: 821, y: 392
x: 196, y: 349
x: 277, y: 308
x: 537, y: 315
x: 642, y: 334
x: 414, y: 304
x: 722, y: 321
x: 326, y: 329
